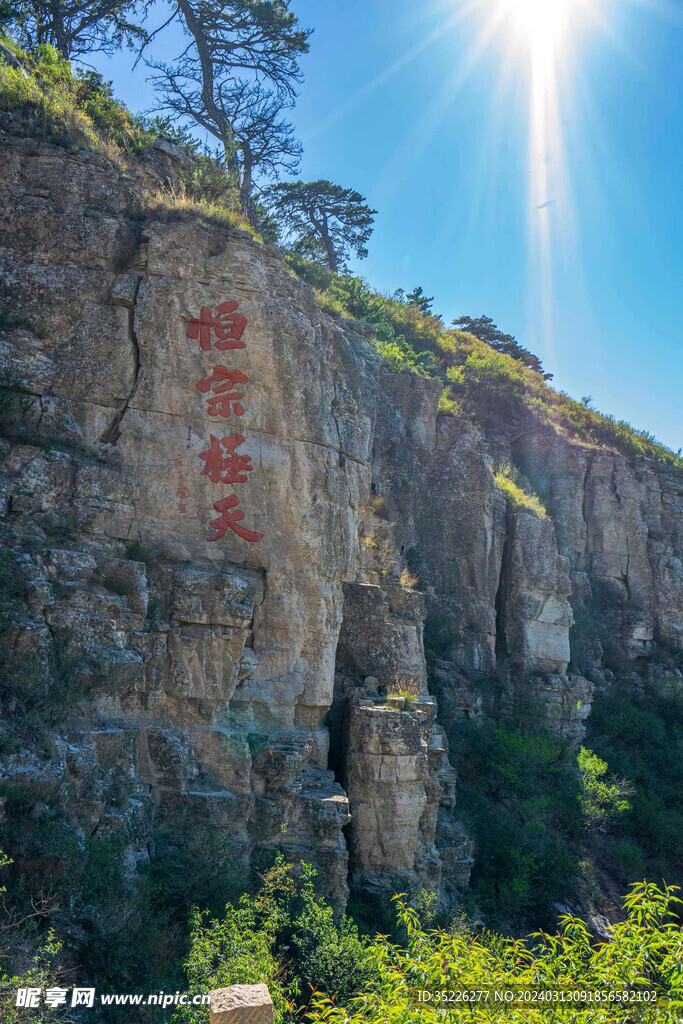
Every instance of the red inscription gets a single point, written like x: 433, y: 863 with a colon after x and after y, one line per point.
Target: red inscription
x: 230, y: 521
x: 235, y: 467
x: 227, y: 325
x: 224, y: 399
x: 182, y: 491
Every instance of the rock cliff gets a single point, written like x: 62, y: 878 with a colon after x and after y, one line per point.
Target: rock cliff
x: 215, y: 497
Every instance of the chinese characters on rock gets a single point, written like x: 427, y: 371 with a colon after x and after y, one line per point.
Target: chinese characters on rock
x: 182, y: 492
x: 224, y: 390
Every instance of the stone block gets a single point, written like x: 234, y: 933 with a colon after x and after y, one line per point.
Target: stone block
x: 241, y: 1004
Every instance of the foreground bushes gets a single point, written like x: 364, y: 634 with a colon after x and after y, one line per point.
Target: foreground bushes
x: 284, y: 936
x: 320, y: 971
x: 646, y: 952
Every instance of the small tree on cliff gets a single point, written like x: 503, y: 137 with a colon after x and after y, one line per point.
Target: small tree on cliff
x: 324, y: 221
x: 418, y: 298
x: 483, y: 327
x: 73, y: 27
x: 227, y: 38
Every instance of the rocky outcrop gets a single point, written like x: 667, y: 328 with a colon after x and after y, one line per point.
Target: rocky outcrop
x: 234, y: 539
x: 618, y: 522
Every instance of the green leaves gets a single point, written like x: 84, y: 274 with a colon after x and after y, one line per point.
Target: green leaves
x: 323, y: 221
x: 646, y: 952
x: 604, y: 796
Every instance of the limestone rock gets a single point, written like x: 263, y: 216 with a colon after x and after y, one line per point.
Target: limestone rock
x: 234, y: 685
x: 241, y: 1004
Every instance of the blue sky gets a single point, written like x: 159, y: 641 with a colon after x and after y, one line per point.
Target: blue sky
x: 402, y: 102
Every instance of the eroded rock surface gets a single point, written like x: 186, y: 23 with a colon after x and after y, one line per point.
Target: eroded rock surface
x: 201, y: 681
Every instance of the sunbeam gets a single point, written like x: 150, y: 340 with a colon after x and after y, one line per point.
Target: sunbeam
x: 541, y: 31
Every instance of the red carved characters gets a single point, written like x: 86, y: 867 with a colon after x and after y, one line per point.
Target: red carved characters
x: 231, y: 520
x: 182, y: 492
x: 220, y: 382
x: 227, y: 325
x: 216, y: 463
x: 222, y: 463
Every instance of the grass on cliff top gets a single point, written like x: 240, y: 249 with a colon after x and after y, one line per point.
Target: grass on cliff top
x: 493, y: 389
x: 79, y: 111
x: 49, y: 102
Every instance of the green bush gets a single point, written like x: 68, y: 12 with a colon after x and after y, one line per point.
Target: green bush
x: 61, y: 106
x: 28, y: 962
x: 645, y: 952
x: 329, y: 957
x: 283, y: 936
x: 604, y: 796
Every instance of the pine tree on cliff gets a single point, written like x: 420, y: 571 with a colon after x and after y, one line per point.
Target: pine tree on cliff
x: 325, y: 222
x: 263, y: 142
x: 229, y: 38
x: 73, y: 27
x: 483, y: 327
x: 418, y: 298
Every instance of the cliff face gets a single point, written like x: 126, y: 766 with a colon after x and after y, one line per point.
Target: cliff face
x: 224, y: 664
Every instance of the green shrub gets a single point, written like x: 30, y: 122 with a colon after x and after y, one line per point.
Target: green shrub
x: 284, y: 936
x: 329, y: 957
x: 404, y: 687
x: 645, y: 952
x: 27, y: 962
x: 65, y: 107
x: 118, y: 585
x: 447, y: 405
x: 94, y: 96
x: 138, y: 552
x: 604, y: 796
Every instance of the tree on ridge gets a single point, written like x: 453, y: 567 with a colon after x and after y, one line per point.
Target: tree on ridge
x: 325, y: 222
x: 74, y: 27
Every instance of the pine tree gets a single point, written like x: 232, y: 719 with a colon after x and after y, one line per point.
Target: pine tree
x: 229, y: 38
x: 323, y: 221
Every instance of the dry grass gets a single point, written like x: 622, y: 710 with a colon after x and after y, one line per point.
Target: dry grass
x: 178, y: 200
x: 377, y: 504
x: 408, y: 579
x: 384, y: 558
x: 507, y: 479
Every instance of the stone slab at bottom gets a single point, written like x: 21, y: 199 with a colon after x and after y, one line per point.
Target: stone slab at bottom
x: 241, y: 1004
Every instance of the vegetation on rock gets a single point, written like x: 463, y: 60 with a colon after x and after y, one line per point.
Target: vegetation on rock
x: 519, y: 500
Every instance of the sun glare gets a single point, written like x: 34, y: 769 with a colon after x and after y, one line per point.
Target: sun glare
x: 542, y: 22
x: 541, y: 32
